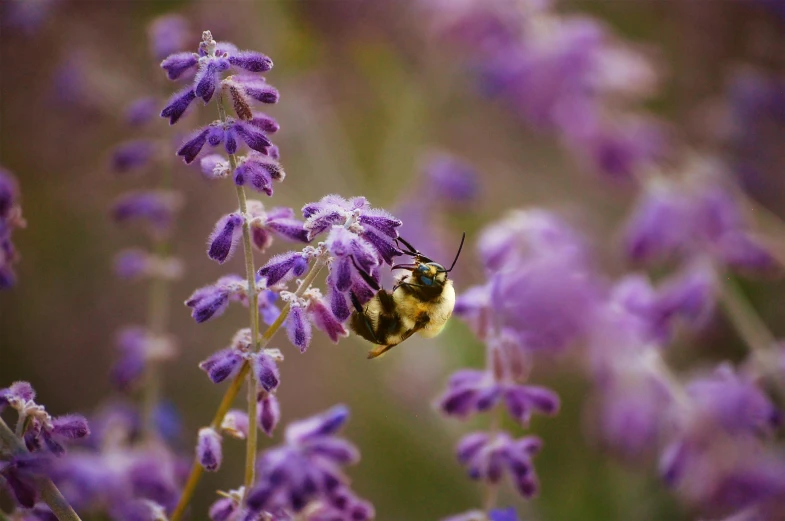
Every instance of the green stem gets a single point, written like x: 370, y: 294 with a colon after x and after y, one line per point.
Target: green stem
x: 234, y: 389
x: 47, y: 490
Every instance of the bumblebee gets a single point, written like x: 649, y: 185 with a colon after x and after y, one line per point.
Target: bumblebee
x: 420, y: 302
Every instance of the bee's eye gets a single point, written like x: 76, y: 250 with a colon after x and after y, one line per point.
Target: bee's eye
x: 423, y: 268
x: 428, y: 281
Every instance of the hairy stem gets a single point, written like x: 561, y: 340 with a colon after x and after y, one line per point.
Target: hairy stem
x: 253, y: 307
x: 48, y: 491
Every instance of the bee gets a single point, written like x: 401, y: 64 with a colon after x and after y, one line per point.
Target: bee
x: 420, y: 302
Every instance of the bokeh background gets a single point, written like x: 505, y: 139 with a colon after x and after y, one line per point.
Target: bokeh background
x: 367, y: 92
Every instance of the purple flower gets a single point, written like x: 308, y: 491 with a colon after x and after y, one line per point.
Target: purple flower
x: 133, y: 155
x: 488, y: 456
x: 275, y: 221
x: 236, y: 424
x: 471, y: 391
x: 214, y: 166
x: 178, y: 104
x: 528, y: 234
x: 141, y: 111
x: 211, y: 301
x: 268, y: 412
x: 305, y: 468
x: 227, y: 133
x: 298, y: 328
x: 732, y: 402
x: 156, y: 207
x: 265, y: 370
x: 377, y: 227
x: 283, y: 267
x: 137, y: 347
x: 21, y: 473
x: 223, y: 364
x: 176, y: 64
x: 208, y: 449
x: 225, y: 236
x: 168, y: 34
x: 549, y: 301
x: 258, y: 171
x: 321, y: 315
x: 16, y: 396
x: 10, y: 218
x: 657, y: 229
x: 506, y: 514
x: 451, y: 180
x: 213, y: 59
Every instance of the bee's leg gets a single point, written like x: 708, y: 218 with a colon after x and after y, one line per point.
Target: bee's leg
x: 379, y: 351
x: 359, y: 308
x: 365, y: 276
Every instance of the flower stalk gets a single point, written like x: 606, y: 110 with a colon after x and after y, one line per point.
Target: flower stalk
x: 234, y: 388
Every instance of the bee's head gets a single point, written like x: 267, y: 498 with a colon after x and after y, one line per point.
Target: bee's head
x: 430, y: 274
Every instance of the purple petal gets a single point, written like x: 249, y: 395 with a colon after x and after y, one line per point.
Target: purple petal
x: 338, y: 305
x: 337, y: 450
x: 208, y: 449
x: 225, y: 237
x: 251, y: 61
x: 191, y: 148
x: 222, y: 510
x: 298, y: 328
x: 176, y: 64
x: 133, y: 155
x: 71, y: 426
x: 269, y: 413
x: 253, y: 137
x: 325, y: 321
x: 279, y: 268
x: 325, y: 424
x: 266, y: 371
x: 224, y: 364
x: 178, y: 104
x: 291, y: 229
x: 382, y: 221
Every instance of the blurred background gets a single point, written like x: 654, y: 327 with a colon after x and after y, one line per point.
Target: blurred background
x: 368, y: 91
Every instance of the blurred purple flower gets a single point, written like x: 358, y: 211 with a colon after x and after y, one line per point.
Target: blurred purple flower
x: 137, y: 348
x: 304, y: 469
x: 10, y: 218
x: 133, y: 155
x: 168, y: 34
x: 488, y: 457
x: 156, y: 207
x: 451, y: 180
x: 141, y: 111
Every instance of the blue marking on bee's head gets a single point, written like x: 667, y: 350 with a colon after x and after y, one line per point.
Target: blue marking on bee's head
x: 423, y: 268
x: 428, y: 281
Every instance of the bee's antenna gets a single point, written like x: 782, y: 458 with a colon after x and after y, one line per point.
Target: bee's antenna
x: 412, y: 249
x: 463, y: 238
